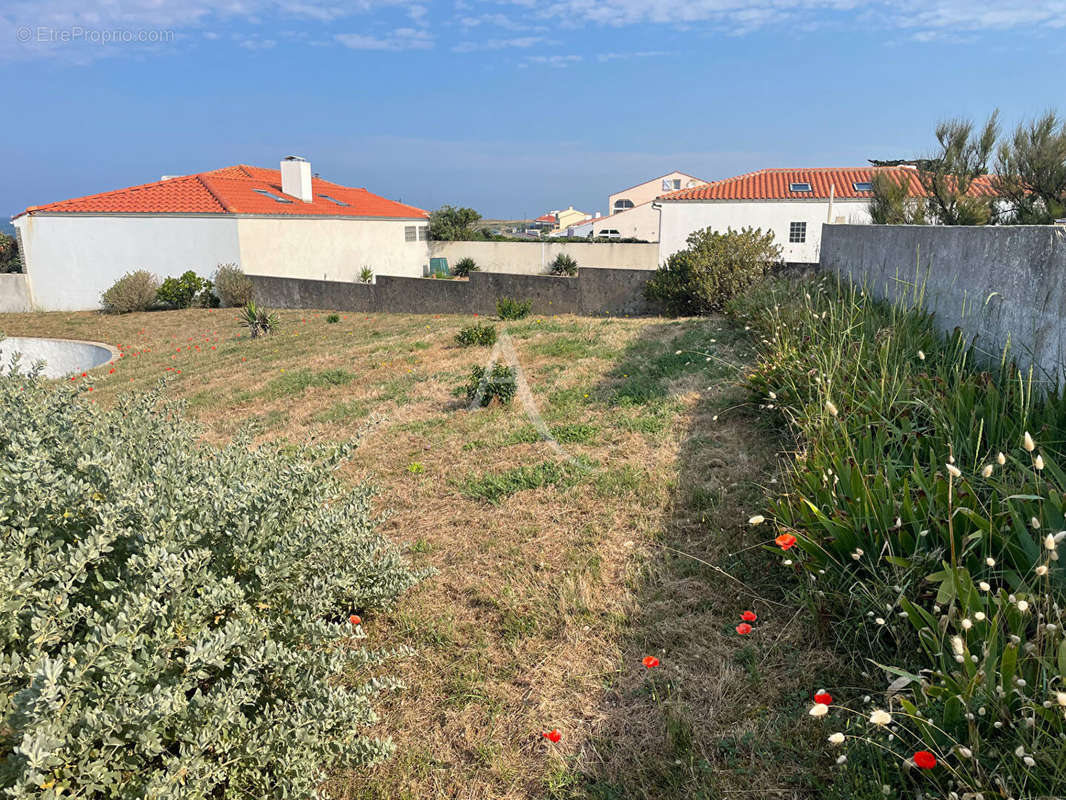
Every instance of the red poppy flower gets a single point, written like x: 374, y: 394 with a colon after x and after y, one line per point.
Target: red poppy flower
x: 823, y: 697
x: 85, y: 374
x: 785, y: 541
x: 924, y: 759
x: 651, y: 661
x: 553, y: 735
x: 112, y: 370
x: 749, y: 616
x: 90, y: 388
x: 743, y: 629
x: 355, y: 619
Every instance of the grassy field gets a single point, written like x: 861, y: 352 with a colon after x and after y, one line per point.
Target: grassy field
x: 555, y: 577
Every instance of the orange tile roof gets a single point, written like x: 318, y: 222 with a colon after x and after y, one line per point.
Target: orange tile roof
x: 546, y: 218
x: 773, y: 184
x: 232, y: 190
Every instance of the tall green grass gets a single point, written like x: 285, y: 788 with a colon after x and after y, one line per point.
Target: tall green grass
x: 922, y: 514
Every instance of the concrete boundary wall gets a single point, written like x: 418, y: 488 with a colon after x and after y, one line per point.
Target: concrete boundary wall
x: 593, y: 292
x: 997, y: 284
x: 14, y: 293
x: 533, y: 258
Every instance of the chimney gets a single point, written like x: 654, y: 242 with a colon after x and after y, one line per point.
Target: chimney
x: 296, y: 178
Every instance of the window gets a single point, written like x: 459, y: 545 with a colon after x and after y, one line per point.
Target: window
x: 622, y: 204
x: 863, y: 186
x: 797, y: 232
x: 670, y: 184
x: 410, y: 233
x: 272, y: 196
x: 423, y: 233
x: 801, y: 186
x: 334, y: 200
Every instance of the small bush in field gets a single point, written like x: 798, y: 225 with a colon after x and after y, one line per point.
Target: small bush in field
x: 233, y: 287
x: 464, y: 266
x: 134, y: 291
x: 188, y: 290
x: 713, y: 269
x: 509, y: 308
x: 333, y: 318
x: 258, y: 320
x: 498, y: 384
x: 563, y: 264
x: 177, y: 619
x: 476, y: 335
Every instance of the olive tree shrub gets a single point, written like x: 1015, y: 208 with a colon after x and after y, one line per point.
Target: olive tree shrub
x: 713, y: 269
x: 175, y: 617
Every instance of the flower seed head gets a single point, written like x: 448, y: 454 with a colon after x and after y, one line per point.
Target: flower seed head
x: 1028, y: 443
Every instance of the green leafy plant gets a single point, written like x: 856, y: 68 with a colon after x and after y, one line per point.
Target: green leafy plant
x: 366, y: 275
x: 10, y: 258
x: 176, y: 617
x: 464, y: 266
x: 477, y: 335
x: 563, y: 264
x: 500, y: 383
x: 333, y: 318
x: 134, y: 291
x: 186, y: 291
x: 923, y: 515
x: 233, y: 287
x: 509, y: 308
x: 714, y: 268
x: 258, y: 320
x: 452, y: 224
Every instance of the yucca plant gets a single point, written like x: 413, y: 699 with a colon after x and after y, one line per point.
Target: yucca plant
x: 258, y: 320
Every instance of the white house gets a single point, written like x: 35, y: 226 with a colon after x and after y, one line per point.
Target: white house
x: 632, y: 215
x: 269, y: 222
x: 792, y: 203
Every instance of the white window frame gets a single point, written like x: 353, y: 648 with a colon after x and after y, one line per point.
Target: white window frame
x: 410, y: 233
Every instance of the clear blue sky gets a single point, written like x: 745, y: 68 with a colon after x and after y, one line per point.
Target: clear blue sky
x: 513, y: 108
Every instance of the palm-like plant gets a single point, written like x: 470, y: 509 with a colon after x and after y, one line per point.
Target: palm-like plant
x: 258, y: 319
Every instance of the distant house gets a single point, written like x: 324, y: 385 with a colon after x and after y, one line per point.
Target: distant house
x: 566, y: 218
x: 793, y: 203
x: 280, y: 222
x: 631, y: 212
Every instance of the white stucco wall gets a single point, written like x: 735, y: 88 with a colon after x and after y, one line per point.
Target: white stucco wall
x: 71, y: 259
x: 679, y: 219
x: 330, y: 249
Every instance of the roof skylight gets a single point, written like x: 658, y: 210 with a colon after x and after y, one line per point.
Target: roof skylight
x: 335, y: 201
x: 272, y: 196
x: 800, y: 186
x: 863, y: 186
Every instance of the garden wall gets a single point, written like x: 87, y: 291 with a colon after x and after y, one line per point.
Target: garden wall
x: 997, y: 284
x: 592, y: 292
x: 14, y: 293
x: 533, y: 258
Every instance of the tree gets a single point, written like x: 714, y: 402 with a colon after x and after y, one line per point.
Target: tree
x: 10, y: 260
x: 713, y: 269
x: 949, y: 178
x: 892, y: 202
x: 451, y: 224
x: 1031, y: 171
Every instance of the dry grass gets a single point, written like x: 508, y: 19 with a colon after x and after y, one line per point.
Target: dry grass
x: 547, y: 597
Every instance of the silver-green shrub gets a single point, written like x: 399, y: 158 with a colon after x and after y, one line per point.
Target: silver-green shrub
x: 174, y: 617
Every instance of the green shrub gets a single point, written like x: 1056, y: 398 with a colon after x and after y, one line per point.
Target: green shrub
x: 927, y: 520
x: 258, y: 320
x: 188, y: 290
x: 464, y: 266
x: 366, y: 275
x: 476, y: 335
x: 233, y: 287
x: 175, y: 616
x: 563, y: 264
x: 333, y: 318
x: 10, y: 258
x: 499, y: 384
x: 134, y: 291
x: 509, y: 308
x: 713, y: 269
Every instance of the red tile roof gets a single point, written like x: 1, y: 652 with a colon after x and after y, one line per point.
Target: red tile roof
x: 546, y: 218
x: 233, y: 190
x: 773, y: 184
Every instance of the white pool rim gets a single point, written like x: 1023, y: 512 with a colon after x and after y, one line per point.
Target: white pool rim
x: 73, y: 353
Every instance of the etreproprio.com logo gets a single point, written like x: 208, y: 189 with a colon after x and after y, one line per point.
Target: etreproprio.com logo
x: 43, y: 34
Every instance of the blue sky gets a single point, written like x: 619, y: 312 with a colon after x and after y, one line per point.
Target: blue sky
x: 513, y: 108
